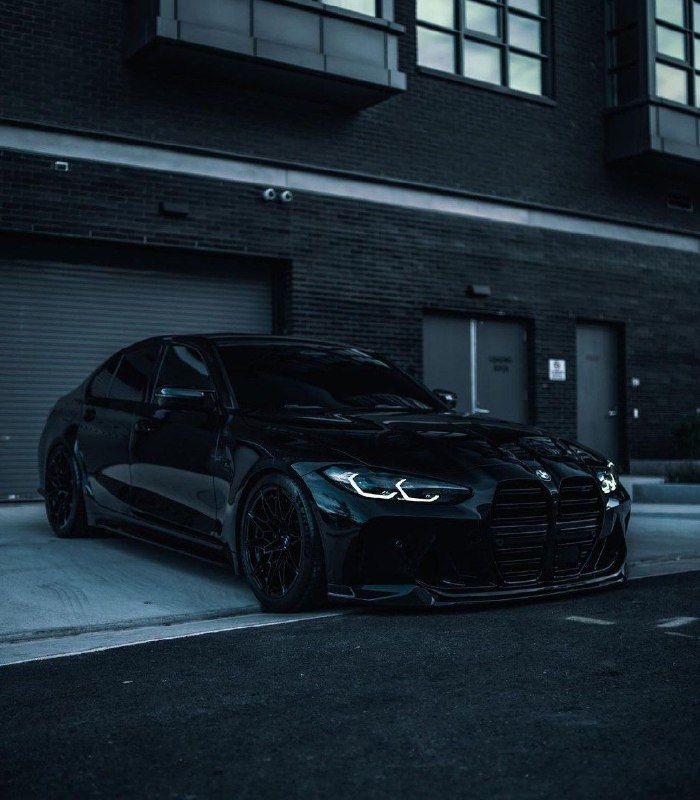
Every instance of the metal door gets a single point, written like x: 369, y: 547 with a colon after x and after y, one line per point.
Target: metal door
x: 446, y: 356
x: 58, y: 321
x: 484, y: 361
x: 597, y: 388
x: 499, y: 355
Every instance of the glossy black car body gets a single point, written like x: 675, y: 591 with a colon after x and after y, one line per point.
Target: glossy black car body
x: 532, y: 518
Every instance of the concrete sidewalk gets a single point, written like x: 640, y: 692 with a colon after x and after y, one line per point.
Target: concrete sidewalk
x: 50, y: 585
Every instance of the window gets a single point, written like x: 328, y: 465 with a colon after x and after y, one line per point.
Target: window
x: 99, y: 386
x: 184, y: 368
x: 677, y: 60
x: 368, y: 7
x: 134, y: 374
x: 499, y: 42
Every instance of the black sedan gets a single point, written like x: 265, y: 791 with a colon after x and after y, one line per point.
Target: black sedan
x: 323, y: 470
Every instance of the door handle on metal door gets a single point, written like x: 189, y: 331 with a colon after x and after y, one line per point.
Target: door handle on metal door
x: 143, y: 426
x: 89, y: 414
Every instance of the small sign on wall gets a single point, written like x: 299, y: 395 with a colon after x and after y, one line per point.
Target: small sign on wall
x: 557, y: 369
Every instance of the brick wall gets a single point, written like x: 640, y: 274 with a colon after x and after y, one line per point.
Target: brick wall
x: 365, y: 273
x: 62, y: 64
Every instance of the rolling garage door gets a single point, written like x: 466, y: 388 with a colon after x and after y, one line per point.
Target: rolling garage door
x: 59, y: 321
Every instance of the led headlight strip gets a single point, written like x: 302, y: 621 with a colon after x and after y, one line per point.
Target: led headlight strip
x: 385, y: 486
x: 399, y: 486
x: 382, y: 496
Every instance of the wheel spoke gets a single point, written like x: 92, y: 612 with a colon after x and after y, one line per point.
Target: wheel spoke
x: 259, y: 522
x: 59, y: 489
x: 273, y: 540
x: 267, y: 507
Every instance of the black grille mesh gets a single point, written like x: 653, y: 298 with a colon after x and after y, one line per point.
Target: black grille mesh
x: 578, y: 523
x: 519, y: 523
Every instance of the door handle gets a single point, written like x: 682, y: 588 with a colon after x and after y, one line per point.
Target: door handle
x: 89, y: 414
x: 143, y: 426
x: 478, y: 410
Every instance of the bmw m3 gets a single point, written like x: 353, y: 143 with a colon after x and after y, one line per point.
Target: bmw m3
x: 323, y: 470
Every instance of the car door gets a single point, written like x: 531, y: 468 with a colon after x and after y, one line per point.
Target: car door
x: 174, y: 445
x: 108, y: 415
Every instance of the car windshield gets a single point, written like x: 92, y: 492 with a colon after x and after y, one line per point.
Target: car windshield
x: 274, y: 377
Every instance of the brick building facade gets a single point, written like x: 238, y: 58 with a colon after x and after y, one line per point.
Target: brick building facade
x: 452, y: 197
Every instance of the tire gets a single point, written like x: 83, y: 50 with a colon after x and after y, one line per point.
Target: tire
x: 281, y: 549
x: 64, y: 502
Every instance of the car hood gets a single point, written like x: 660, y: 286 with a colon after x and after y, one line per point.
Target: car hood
x: 444, y: 445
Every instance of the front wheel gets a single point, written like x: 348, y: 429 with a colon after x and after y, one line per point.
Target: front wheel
x: 281, y: 548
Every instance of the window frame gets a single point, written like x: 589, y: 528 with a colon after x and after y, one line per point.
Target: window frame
x: 378, y: 9
x: 460, y: 34
x: 148, y: 389
x: 688, y: 65
x: 215, y: 387
x: 94, y: 399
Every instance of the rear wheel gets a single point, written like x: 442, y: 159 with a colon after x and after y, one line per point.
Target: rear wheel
x: 65, y: 507
x: 281, y: 548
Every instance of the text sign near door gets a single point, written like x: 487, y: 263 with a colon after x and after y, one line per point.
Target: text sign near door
x: 557, y: 369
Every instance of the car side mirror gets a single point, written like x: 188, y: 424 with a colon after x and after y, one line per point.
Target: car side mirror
x: 176, y: 398
x: 448, y: 397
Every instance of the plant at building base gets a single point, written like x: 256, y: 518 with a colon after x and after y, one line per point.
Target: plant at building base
x: 685, y: 472
x: 686, y: 433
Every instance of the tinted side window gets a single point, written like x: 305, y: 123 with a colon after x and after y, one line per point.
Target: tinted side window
x: 184, y: 368
x: 134, y: 373
x: 99, y: 388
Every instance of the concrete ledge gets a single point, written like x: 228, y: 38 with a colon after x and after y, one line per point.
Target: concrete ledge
x: 657, y: 466
x: 676, y: 493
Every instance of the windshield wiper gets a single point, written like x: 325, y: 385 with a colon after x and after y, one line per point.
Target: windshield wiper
x: 407, y: 409
x: 305, y: 407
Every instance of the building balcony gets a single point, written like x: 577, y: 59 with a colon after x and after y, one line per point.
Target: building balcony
x: 653, y: 87
x: 303, y: 48
x: 655, y: 129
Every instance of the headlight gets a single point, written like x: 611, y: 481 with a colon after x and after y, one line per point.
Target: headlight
x: 389, y: 486
x: 607, y: 478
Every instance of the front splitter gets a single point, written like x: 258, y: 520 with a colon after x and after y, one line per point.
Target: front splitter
x: 416, y: 594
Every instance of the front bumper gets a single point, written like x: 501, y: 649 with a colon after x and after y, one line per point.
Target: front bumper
x: 388, y: 553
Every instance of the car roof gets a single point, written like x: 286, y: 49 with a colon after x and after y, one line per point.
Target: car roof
x: 236, y: 338
x: 252, y: 338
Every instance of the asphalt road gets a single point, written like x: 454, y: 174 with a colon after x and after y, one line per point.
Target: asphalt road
x: 592, y: 696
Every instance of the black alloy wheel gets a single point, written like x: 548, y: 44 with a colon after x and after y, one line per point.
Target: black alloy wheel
x: 282, y: 554
x: 65, y: 509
